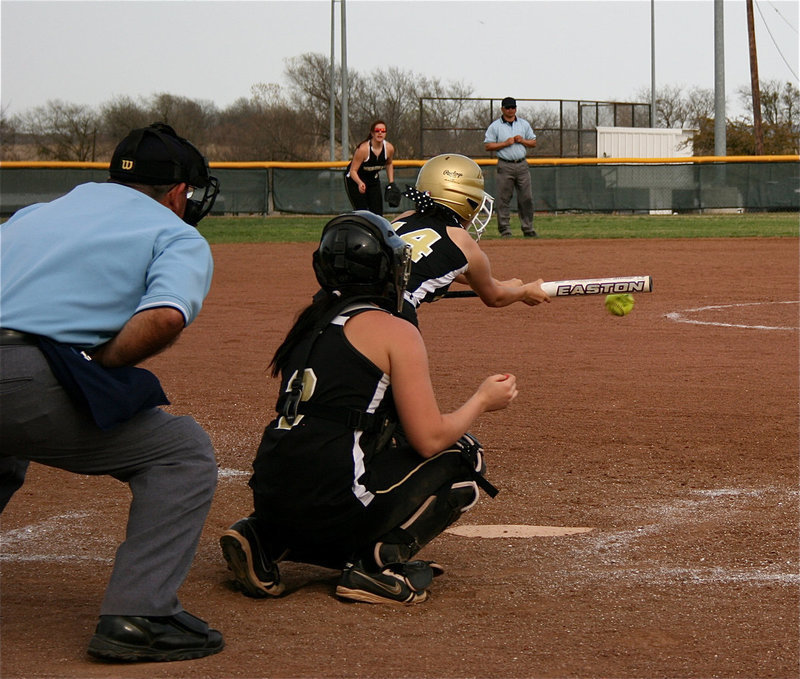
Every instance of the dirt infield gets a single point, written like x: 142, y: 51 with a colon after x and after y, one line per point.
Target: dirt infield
x: 672, y: 433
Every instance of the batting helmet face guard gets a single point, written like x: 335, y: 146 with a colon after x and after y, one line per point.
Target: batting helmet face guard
x: 360, y: 254
x: 156, y: 155
x: 456, y: 182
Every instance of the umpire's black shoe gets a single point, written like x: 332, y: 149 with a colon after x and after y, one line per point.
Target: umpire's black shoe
x: 256, y: 574
x: 130, y: 638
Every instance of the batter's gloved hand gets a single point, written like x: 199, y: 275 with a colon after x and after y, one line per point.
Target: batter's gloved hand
x: 392, y: 195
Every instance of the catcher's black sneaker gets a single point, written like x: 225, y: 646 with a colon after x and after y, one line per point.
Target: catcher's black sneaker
x: 397, y: 583
x: 256, y: 573
x: 385, y: 553
x: 129, y: 638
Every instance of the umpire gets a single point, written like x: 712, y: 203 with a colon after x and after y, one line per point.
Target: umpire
x: 511, y: 137
x: 93, y: 283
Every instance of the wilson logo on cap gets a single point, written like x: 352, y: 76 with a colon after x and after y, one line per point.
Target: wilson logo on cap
x: 127, y: 164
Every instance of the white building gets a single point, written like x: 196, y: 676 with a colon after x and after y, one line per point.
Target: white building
x: 644, y: 142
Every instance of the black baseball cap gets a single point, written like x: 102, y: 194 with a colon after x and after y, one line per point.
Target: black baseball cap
x: 157, y: 155
x: 509, y: 102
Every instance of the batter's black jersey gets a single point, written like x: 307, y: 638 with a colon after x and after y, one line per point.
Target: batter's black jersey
x: 435, y: 259
x: 312, y: 473
x: 369, y: 172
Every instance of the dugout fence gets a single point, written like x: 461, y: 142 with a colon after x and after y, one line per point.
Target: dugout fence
x: 757, y: 183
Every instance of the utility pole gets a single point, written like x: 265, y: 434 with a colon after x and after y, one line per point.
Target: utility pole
x: 652, y: 63
x: 332, y: 96
x: 756, y: 92
x: 345, y: 88
x: 720, y: 131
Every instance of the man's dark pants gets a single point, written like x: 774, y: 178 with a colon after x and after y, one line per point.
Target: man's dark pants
x: 510, y: 176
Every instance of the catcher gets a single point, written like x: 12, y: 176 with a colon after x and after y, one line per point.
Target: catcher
x: 359, y: 469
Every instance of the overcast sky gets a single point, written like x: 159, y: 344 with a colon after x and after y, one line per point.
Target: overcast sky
x: 89, y: 52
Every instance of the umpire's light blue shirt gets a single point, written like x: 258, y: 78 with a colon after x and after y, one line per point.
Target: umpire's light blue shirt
x: 500, y: 130
x: 77, y: 268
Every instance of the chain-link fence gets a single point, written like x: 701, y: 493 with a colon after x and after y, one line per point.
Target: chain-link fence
x: 565, y: 128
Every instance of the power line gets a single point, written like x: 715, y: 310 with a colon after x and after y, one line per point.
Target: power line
x: 778, y: 12
x: 774, y: 42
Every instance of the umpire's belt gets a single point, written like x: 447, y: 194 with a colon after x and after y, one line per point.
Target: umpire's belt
x: 10, y: 337
x: 519, y: 160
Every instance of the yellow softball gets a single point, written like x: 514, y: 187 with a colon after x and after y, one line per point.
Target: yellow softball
x: 620, y: 304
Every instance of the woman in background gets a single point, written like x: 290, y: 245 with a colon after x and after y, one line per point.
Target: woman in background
x: 362, y: 177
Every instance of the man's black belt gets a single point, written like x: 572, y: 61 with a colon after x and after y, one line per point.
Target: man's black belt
x: 10, y: 337
x: 521, y: 160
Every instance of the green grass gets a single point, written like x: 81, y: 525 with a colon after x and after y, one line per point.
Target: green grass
x: 306, y: 228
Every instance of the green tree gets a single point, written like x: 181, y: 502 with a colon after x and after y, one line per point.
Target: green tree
x: 780, y: 111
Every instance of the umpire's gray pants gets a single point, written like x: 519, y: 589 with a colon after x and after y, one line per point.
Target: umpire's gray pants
x: 510, y: 176
x: 167, y: 461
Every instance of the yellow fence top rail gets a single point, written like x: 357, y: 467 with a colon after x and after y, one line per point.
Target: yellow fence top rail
x: 266, y: 164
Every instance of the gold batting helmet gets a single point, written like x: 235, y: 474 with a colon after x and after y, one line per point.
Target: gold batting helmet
x: 456, y: 182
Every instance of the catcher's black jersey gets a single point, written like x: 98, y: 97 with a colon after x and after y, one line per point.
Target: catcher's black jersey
x: 312, y: 469
x: 436, y: 259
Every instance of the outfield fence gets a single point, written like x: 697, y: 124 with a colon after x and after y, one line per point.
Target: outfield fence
x: 639, y: 185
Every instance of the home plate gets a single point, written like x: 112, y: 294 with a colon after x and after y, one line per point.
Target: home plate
x: 518, y: 531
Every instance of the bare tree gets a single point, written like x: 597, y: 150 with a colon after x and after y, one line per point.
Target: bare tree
x: 8, y: 136
x: 192, y: 119
x: 676, y: 108
x: 62, y: 131
x: 699, y: 105
x: 389, y: 94
x: 120, y: 116
x: 790, y: 99
x: 264, y: 127
x: 310, y: 85
x: 780, y: 102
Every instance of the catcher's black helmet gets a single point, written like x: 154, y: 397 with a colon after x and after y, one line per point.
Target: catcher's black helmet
x: 157, y: 155
x: 360, y: 254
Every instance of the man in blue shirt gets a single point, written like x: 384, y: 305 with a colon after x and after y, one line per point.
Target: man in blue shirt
x: 510, y: 137
x: 93, y: 283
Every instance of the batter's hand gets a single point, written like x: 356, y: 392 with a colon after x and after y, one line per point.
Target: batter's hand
x: 534, y: 294
x: 498, y: 391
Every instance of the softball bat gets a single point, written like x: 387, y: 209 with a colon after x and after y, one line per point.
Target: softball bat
x: 576, y: 287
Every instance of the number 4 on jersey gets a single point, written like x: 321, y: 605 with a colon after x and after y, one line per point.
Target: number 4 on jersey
x: 421, y: 242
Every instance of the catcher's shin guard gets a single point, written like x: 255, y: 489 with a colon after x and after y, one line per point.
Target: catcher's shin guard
x: 430, y: 519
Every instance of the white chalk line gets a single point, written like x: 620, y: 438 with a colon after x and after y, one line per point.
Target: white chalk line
x: 680, y: 317
x: 598, y: 554
x: 617, y: 550
x: 61, y: 538
x: 227, y: 473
